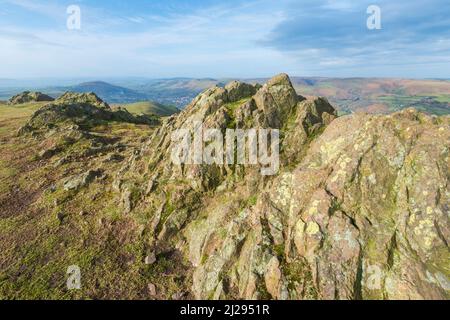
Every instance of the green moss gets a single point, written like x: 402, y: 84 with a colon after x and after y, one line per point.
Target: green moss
x: 10, y: 224
x: 136, y: 194
x: 252, y: 200
x: 204, y: 259
x: 234, y: 105
x: 231, y: 124
x: 6, y: 171
x: 299, y: 275
x: 279, y: 251
x: 231, y: 108
x: 439, y: 261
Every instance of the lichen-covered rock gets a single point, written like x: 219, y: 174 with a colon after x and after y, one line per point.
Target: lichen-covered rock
x: 358, y: 210
x: 368, y: 207
x: 238, y: 90
x: 79, y: 181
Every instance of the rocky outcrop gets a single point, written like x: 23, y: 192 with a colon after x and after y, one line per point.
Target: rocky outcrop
x: 363, y: 216
x: 359, y: 209
x: 238, y: 90
x: 82, y: 109
x: 79, y: 181
x: 27, y: 96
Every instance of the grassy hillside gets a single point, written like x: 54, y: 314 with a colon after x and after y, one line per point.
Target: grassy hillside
x: 10, y: 113
x: 42, y: 229
x: 106, y: 196
x: 149, y: 107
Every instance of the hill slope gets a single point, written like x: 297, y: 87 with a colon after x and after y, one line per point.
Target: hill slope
x: 357, y: 210
x: 380, y: 95
x: 149, y: 107
x: 109, y: 92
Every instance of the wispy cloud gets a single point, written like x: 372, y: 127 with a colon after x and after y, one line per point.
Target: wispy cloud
x: 233, y: 38
x: 413, y: 32
x: 215, y: 40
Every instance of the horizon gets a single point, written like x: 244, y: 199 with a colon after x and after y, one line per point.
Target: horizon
x: 233, y: 40
x: 93, y: 79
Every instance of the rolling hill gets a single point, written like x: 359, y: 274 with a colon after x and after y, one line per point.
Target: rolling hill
x: 109, y: 92
x: 175, y: 91
x: 373, y: 95
x: 149, y: 107
x: 379, y: 95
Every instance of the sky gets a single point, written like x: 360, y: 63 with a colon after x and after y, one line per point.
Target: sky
x: 224, y: 39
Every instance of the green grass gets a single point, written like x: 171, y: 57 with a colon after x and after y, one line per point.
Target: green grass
x: 443, y: 98
x: 231, y: 108
x: 6, y: 171
x: 234, y: 105
x: 18, y: 111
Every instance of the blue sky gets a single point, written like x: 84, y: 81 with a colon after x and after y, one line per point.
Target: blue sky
x: 232, y: 38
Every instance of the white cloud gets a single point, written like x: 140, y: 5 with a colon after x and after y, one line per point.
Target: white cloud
x: 215, y: 41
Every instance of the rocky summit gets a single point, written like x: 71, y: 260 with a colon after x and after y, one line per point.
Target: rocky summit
x: 85, y: 109
x: 358, y: 210
x: 27, y: 96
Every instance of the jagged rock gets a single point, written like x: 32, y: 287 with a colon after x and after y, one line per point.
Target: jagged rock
x: 27, y: 96
x: 81, y: 180
x: 277, y: 99
x: 82, y: 98
x: 313, y: 116
x: 238, y: 90
x: 357, y: 195
x: 273, y: 277
x: 152, y: 184
x: 48, y: 153
x: 244, y: 114
x: 358, y: 210
x: 114, y: 157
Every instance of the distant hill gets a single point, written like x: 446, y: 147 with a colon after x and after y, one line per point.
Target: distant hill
x: 109, y: 92
x: 175, y: 91
x: 379, y: 95
x: 149, y: 107
x: 373, y: 95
